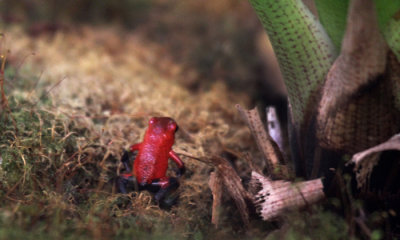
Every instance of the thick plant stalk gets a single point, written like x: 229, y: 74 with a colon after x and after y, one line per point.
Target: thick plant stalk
x: 303, y: 49
x: 277, y: 197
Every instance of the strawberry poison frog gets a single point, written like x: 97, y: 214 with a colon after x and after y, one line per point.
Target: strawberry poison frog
x: 151, y: 162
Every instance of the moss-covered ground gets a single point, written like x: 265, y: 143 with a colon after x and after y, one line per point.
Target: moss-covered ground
x: 81, y: 94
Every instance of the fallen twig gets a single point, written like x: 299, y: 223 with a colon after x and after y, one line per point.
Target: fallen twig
x: 265, y: 143
x: 215, y: 184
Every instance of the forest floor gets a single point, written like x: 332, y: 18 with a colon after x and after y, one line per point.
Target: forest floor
x: 77, y: 97
x: 94, y: 90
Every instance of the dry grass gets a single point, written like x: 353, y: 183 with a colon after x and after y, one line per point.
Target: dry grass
x: 102, y: 86
x: 87, y: 93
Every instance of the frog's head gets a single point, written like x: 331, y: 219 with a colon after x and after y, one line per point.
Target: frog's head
x: 163, y: 125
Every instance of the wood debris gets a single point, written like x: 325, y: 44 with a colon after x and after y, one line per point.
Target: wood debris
x: 276, y: 197
x: 225, y: 178
x: 265, y: 143
x: 233, y: 186
x: 215, y: 184
x: 366, y: 160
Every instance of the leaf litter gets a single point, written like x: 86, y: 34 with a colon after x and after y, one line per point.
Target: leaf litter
x: 103, y: 103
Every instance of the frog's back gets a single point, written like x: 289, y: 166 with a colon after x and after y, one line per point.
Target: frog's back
x: 151, y: 162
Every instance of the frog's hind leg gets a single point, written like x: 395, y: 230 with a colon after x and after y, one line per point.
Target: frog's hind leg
x: 165, y: 191
x: 127, y: 160
x: 126, y: 182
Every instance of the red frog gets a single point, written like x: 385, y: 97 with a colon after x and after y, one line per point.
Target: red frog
x: 151, y: 163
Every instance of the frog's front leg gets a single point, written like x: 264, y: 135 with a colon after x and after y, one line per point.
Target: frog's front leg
x: 164, y: 189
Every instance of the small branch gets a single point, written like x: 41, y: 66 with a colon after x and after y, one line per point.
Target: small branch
x: 215, y: 184
x: 200, y: 159
x: 3, y: 95
x: 265, y: 143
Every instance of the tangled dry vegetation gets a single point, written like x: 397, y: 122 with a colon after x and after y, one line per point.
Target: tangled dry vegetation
x: 87, y: 93
x: 67, y: 123
x: 71, y: 111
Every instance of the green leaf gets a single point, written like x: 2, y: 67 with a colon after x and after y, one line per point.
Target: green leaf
x: 385, y: 10
x: 333, y: 15
x: 304, y: 51
x: 388, y: 12
x: 376, y: 235
x: 392, y: 35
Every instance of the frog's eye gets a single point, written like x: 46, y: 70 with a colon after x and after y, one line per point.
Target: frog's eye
x: 172, y: 126
x: 152, y: 121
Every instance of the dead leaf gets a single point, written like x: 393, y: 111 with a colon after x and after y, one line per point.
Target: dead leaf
x: 394, y: 76
x: 356, y: 111
x: 233, y: 185
x: 226, y: 177
x: 366, y: 160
